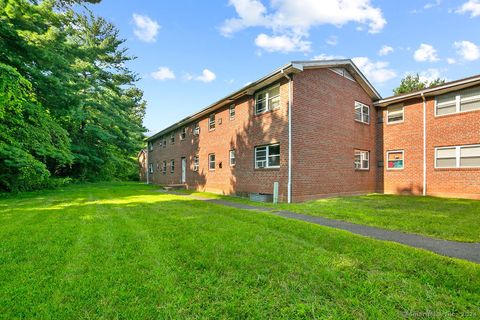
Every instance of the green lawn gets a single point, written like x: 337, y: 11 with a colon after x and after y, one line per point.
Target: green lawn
x: 123, y: 250
x: 449, y: 219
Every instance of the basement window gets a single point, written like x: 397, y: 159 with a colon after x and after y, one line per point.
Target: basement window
x: 267, y: 99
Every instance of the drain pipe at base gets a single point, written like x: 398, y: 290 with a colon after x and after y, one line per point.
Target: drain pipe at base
x: 289, y: 183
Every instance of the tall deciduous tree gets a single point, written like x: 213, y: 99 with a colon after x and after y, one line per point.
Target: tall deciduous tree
x: 412, y: 83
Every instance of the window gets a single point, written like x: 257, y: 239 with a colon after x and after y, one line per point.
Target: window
x: 362, y: 112
x: 211, y: 161
x: 267, y: 156
x: 455, y: 102
x: 172, y: 138
x: 267, y: 100
x: 395, y: 114
x: 211, y: 122
x: 395, y: 160
x: 164, y: 167
x: 362, y: 160
x: 195, y: 163
x: 164, y: 143
x: 150, y: 167
x: 196, y: 129
x: 150, y: 146
x: 232, y: 157
x: 172, y: 166
x: 231, y: 111
x: 160, y: 143
x: 183, y: 133
x: 458, y: 157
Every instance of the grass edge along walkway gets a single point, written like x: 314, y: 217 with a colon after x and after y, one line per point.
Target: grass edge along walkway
x: 454, y: 249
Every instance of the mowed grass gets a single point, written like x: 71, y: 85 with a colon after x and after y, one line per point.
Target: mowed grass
x: 124, y: 250
x: 442, y: 218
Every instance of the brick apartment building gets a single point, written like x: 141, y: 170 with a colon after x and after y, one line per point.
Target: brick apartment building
x: 319, y: 128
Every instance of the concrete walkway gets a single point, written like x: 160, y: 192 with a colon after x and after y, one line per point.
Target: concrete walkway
x: 461, y: 250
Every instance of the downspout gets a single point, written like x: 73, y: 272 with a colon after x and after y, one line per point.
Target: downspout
x: 289, y: 183
x: 424, y: 145
x: 148, y: 166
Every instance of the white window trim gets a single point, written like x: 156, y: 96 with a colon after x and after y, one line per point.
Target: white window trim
x: 196, y: 129
x: 150, y: 167
x: 196, y: 162
x: 458, y: 102
x: 150, y: 146
x: 183, y: 133
x: 210, y: 161
x: 172, y: 138
x: 457, y: 156
x: 232, y: 107
x: 230, y: 157
x: 395, y: 122
x: 403, y: 159
x: 267, y: 99
x: 172, y: 166
x: 164, y: 167
x: 210, y: 121
x: 361, y: 113
x: 267, y: 155
x: 362, y: 152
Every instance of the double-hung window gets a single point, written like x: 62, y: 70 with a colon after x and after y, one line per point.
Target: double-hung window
x: 183, y: 133
x: 232, y: 157
x: 164, y: 167
x: 172, y: 138
x: 211, y: 161
x: 231, y: 111
x: 267, y: 156
x: 395, y: 114
x: 196, y: 129
x: 195, y: 163
x: 150, y: 146
x: 267, y: 99
x: 211, y: 122
x: 362, y: 160
x: 460, y: 101
x: 172, y: 166
x: 164, y: 142
x: 362, y: 112
x: 150, y: 167
x: 458, y: 157
x: 395, y: 160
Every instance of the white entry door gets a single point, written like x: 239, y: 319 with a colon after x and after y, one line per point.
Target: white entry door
x: 184, y: 170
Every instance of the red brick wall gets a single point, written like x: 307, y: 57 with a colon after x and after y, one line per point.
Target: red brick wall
x: 243, y: 133
x: 449, y: 130
x: 325, y: 136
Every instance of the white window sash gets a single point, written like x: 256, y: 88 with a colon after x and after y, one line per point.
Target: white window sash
x: 266, y: 99
x: 403, y: 159
x: 361, y: 106
x: 458, y: 156
x: 265, y: 158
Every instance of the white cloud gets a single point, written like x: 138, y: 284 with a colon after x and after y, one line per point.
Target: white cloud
x: 425, y: 52
x: 467, y: 50
x: 332, y: 40
x: 429, y: 75
x: 433, y: 4
x: 385, y: 50
x: 206, y: 76
x: 471, y: 7
x: 282, y: 43
x: 451, y: 61
x: 145, y: 29
x: 293, y: 19
x: 324, y: 56
x: 377, y: 71
x: 163, y: 73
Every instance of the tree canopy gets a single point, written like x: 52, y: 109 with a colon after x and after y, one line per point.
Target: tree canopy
x: 412, y: 83
x: 69, y: 106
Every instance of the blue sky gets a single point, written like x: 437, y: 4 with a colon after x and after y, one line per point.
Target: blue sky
x: 191, y: 53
